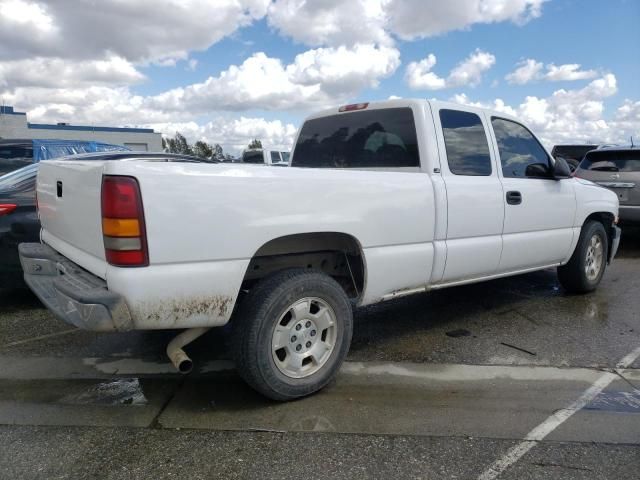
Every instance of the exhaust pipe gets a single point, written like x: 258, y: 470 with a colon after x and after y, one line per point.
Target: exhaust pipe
x: 177, y: 355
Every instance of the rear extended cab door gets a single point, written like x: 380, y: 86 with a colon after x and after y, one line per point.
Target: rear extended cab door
x: 474, y: 202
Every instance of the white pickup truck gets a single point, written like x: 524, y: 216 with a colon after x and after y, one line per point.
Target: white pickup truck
x: 266, y: 156
x: 383, y: 200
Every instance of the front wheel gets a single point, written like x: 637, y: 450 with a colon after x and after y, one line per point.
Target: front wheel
x: 292, y: 333
x: 589, y: 260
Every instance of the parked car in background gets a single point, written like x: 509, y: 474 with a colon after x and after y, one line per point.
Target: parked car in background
x: 383, y: 200
x: 18, y: 217
x: 618, y: 169
x: 18, y: 221
x: 18, y: 153
x: 266, y: 156
x: 572, y: 153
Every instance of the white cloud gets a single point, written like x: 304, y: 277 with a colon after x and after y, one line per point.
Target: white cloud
x: 420, y: 77
x: 340, y: 70
x: 628, y: 116
x: 411, y: 19
x: 316, y: 77
x: 95, y: 105
x: 498, y: 104
x: 26, y: 14
x: 330, y: 22
x: 139, y: 31
x: 61, y: 73
x: 97, y: 92
x: 574, y: 115
x: 339, y: 22
x: 467, y: 73
x: 530, y: 70
x: 568, y: 72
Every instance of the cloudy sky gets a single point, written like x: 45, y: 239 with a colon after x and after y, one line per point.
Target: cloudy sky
x: 229, y: 70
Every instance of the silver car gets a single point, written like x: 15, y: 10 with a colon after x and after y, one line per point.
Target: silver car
x: 617, y: 168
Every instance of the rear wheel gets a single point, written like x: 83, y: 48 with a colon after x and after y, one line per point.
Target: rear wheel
x: 292, y: 333
x: 589, y: 260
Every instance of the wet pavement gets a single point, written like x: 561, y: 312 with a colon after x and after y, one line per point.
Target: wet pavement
x: 440, y: 385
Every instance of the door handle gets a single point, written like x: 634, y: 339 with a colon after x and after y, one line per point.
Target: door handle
x: 514, y: 198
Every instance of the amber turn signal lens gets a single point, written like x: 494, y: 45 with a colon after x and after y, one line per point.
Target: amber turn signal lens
x: 121, y: 227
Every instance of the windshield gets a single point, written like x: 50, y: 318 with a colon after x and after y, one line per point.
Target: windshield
x: 373, y: 138
x: 14, y: 156
x: 612, y: 161
x: 575, y: 152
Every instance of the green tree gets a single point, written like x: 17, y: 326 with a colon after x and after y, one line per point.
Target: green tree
x: 218, y: 153
x: 179, y: 144
x: 255, y: 143
x: 202, y: 149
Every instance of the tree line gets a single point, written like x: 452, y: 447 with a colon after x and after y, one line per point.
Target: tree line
x: 202, y: 149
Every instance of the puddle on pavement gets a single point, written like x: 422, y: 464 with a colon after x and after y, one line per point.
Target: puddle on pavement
x: 122, y: 391
x: 624, y: 402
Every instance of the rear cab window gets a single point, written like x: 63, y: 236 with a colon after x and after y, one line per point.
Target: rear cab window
x: 380, y: 138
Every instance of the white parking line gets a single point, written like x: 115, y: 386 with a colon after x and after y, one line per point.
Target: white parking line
x: 555, y: 420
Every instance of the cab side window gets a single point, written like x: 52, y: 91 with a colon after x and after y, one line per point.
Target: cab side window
x: 521, y: 154
x: 466, y: 143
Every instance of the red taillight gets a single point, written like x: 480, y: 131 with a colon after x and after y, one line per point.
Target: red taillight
x: 7, y: 208
x: 123, y: 228
x: 120, y: 197
x: 353, y: 106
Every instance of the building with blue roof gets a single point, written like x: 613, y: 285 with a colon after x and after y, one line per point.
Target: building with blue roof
x: 16, y: 125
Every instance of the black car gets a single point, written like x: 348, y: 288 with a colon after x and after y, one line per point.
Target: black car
x: 18, y: 221
x: 18, y: 214
x: 15, y: 154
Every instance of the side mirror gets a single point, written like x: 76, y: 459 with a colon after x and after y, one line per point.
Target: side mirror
x: 537, y: 170
x: 561, y: 169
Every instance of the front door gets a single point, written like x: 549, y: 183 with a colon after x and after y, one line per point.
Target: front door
x: 539, y: 210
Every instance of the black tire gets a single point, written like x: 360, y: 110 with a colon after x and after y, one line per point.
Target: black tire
x: 573, y: 276
x: 258, y: 316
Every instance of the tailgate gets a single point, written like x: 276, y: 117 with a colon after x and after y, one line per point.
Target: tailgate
x: 70, y: 210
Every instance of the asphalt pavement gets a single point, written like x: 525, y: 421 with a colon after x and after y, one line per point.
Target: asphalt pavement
x: 509, y: 379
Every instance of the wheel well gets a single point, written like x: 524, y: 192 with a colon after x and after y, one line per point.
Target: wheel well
x: 337, y: 254
x: 607, y: 219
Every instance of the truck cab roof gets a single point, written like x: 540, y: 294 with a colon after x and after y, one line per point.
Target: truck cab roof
x: 408, y: 102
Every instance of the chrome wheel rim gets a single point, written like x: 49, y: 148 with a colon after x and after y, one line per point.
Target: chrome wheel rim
x: 595, y: 257
x: 304, y: 337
